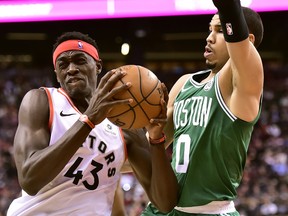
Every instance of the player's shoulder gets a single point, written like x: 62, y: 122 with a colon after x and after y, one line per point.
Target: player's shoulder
x: 182, y: 80
x: 35, y: 98
x: 184, y: 77
x: 178, y: 86
x: 34, y: 93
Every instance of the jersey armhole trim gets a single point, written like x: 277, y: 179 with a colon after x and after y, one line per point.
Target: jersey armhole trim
x: 61, y: 91
x: 221, y: 100
x: 51, y: 107
x: 124, y: 144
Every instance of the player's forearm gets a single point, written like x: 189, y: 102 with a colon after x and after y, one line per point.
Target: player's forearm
x: 169, y: 131
x: 42, y: 166
x: 164, y: 185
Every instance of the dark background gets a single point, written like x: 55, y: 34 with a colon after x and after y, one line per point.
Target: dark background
x: 181, y: 37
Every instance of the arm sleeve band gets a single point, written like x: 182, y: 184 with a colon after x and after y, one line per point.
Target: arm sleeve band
x: 232, y: 20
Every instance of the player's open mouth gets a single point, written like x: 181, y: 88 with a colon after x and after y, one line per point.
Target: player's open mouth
x: 208, y: 51
x: 74, y: 80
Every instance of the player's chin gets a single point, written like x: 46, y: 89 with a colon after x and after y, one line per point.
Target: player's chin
x: 210, y: 65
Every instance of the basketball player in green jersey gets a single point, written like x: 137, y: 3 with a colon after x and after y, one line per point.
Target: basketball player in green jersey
x: 211, y: 114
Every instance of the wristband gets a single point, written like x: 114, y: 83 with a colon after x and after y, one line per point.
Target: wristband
x: 159, y: 141
x: 232, y: 20
x: 86, y: 120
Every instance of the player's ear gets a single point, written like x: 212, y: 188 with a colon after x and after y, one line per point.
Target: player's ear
x: 252, y: 38
x: 56, y: 76
x: 99, y: 66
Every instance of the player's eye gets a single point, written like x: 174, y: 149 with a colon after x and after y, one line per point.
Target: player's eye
x: 81, y: 61
x: 63, y: 65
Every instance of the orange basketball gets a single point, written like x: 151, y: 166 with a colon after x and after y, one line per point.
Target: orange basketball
x: 146, y: 93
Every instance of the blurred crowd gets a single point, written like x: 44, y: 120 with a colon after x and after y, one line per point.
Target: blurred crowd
x: 264, y: 188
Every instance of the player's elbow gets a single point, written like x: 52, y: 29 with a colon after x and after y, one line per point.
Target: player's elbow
x: 166, y: 205
x: 29, y: 185
x: 165, y: 208
x: 29, y: 188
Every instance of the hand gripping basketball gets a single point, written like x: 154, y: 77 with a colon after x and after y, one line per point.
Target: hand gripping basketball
x: 146, y: 93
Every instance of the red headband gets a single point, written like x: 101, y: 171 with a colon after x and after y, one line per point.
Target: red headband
x: 75, y: 45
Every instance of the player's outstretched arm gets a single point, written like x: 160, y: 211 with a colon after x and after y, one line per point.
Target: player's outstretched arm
x: 245, y: 63
x: 150, y: 162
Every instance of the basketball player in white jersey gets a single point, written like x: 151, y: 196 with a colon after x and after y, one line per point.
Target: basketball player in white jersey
x: 69, y: 156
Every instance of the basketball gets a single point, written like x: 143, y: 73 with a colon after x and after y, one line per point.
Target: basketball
x: 146, y: 93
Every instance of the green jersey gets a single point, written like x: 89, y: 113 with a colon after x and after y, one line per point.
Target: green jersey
x: 210, y: 144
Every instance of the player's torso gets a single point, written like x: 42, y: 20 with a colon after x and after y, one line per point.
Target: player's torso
x: 100, y: 157
x: 87, y: 184
x: 204, y: 151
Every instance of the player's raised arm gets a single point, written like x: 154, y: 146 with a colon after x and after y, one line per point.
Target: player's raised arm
x: 243, y: 32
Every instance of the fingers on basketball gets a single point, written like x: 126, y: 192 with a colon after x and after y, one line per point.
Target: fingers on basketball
x: 146, y: 92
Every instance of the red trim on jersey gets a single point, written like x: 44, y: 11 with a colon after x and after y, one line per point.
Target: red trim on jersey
x: 125, y: 145
x: 61, y: 91
x: 51, y: 107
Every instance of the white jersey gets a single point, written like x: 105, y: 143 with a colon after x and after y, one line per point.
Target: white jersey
x: 87, y: 184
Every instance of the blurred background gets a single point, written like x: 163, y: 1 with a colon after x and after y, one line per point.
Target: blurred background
x: 168, y: 37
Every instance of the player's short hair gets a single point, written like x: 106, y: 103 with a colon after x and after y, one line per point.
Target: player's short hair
x: 254, y: 23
